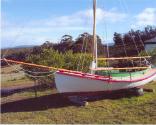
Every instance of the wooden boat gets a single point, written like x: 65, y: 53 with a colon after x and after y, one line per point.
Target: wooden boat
x: 73, y: 82
x: 79, y: 83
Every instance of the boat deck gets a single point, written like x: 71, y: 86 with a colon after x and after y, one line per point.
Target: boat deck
x: 137, y: 76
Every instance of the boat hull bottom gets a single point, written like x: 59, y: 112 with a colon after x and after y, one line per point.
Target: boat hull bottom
x: 122, y: 92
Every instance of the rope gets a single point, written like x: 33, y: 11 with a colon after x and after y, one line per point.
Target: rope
x: 123, y: 58
x: 80, y: 56
x: 107, y: 47
x: 84, y: 54
x: 126, y: 52
x: 125, y: 7
x: 39, y: 66
x: 30, y: 75
x: 129, y: 68
x: 31, y: 64
x: 126, y: 45
x: 134, y: 43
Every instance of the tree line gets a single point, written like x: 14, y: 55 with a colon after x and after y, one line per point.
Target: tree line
x: 128, y: 44
x: 132, y: 42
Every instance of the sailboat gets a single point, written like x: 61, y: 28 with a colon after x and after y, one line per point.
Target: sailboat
x: 75, y: 83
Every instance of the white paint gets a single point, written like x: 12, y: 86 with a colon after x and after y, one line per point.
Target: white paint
x: 66, y: 83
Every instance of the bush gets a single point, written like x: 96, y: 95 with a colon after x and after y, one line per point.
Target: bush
x: 67, y: 60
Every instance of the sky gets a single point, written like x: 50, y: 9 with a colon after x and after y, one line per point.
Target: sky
x: 32, y: 22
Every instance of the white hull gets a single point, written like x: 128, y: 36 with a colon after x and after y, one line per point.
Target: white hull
x: 71, y: 84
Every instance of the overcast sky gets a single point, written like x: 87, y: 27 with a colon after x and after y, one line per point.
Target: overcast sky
x: 32, y: 22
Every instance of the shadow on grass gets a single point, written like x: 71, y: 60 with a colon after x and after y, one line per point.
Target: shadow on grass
x: 35, y: 104
x: 53, y: 101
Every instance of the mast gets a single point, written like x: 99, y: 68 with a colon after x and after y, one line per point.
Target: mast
x: 94, y: 61
x: 94, y: 34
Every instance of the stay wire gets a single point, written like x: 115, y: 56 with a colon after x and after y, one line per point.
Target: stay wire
x: 127, y: 9
x: 78, y: 67
x: 83, y: 60
x: 41, y: 76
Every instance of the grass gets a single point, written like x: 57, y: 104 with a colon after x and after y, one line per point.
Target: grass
x: 11, y: 73
x: 48, y: 107
x: 17, y: 82
x: 10, y: 69
x: 10, y: 77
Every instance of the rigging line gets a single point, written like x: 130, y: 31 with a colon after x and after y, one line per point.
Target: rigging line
x: 126, y: 52
x: 33, y: 65
x: 22, y: 68
x: 30, y: 71
x: 107, y: 52
x: 121, y: 6
x: 123, y: 2
x: 126, y: 45
x: 39, y: 66
x: 11, y: 65
x: 144, y: 49
x: 132, y: 62
x: 124, y: 58
x: 107, y: 47
x: 78, y: 67
x: 127, y: 9
x: 27, y: 70
x: 105, y: 25
x: 125, y: 68
x: 122, y: 39
x: 133, y: 39
x: 142, y: 43
x: 84, y: 54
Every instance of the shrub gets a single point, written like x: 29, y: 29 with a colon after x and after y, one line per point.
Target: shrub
x: 67, y: 60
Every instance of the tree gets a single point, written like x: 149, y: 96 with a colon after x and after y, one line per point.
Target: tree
x: 65, y: 44
x: 47, y: 45
x: 84, y: 43
x: 118, y: 39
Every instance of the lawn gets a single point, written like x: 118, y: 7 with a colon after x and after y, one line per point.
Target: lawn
x: 12, y: 76
x: 49, y: 107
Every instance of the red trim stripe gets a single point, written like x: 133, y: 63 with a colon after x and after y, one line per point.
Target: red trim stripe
x: 84, y: 75
x: 98, y: 77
